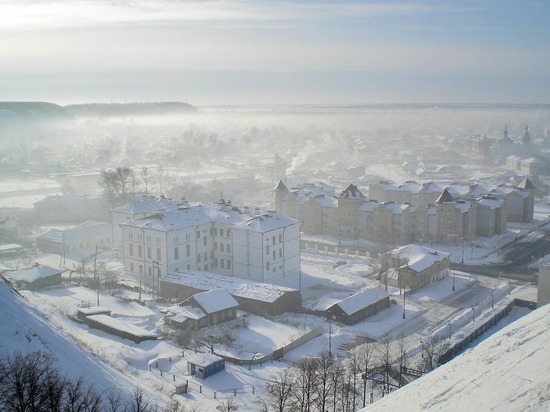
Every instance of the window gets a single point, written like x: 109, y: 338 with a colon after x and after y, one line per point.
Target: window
x: 131, y: 267
x: 228, y: 248
x: 199, y: 258
x: 215, y: 262
x: 205, y: 256
x: 221, y: 232
x: 140, y: 268
x: 222, y: 263
x: 206, y: 268
x: 228, y: 264
x: 215, y: 231
x: 131, y: 249
x: 148, y: 252
x: 205, y: 240
x: 267, y: 250
x: 188, y: 250
x: 280, y: 253
x: 140, y: 250
x: 274, y: 255
x: 273, y: 239
x: 280, y: 238
x: 221, y: 247
x: 267, y: 266
x: 176, y: 253
x: 158, y: 253
x: 198, y: 234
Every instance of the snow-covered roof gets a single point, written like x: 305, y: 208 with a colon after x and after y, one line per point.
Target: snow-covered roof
x: 189, y: 215
x: 215, y: 300
x: 121, y: 326
x: 361, y: 300
x: 201, y: 359
x: 34, y: 273
x: 418, y: 258
x: 266, y: 222
x: 236, y: 286
x: 490, y: 202
x: 351, y: 192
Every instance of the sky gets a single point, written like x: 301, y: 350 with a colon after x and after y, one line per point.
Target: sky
x: 215, y: 52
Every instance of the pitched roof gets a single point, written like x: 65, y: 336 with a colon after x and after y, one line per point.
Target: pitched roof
x: 526, y: 184
x: 445, y: 197
x: 352, y: 192
x: 281, y: 186
x: 215, y: 300
x: 361, y: 300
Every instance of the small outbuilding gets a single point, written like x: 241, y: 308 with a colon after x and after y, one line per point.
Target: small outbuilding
x: 359, y: 306
x: 203, y: 309
x: 36, y: 277
x: 203, y: 365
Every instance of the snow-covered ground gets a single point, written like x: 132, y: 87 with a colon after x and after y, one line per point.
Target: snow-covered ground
x: 509, y: 371
x: 428, y: 312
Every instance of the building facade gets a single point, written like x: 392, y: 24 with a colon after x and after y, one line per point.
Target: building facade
x: 409, y: 212
x: 210, y: 237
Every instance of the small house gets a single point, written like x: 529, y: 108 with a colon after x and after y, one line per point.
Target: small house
x: 203, y: 309
x: 36, y: 277
x: 203, y: 365
x: 359, y: 306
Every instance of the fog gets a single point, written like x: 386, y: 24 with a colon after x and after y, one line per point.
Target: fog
x: 241, y: 152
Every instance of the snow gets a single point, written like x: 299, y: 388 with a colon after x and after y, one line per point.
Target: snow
x: 509, y: 371
x: 34, y: 273
x: 215, y: 300
x: 418, y: 258
x: 326, y: 277
x: 358, y: 301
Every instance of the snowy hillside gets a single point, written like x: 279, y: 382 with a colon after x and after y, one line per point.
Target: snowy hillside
x: 509, y: 371
x: 24, y: 329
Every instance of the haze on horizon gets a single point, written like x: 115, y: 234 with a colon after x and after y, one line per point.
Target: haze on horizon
x: 269, y: 52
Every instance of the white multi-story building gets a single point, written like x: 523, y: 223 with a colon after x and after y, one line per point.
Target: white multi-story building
x: 211, y: 237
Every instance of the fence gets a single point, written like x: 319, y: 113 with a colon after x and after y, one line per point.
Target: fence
x: 461, y: 345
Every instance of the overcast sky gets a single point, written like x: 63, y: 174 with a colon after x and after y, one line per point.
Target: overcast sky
x: 263, y: 52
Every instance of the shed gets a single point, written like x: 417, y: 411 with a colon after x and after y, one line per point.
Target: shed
x: 119, y: 328
x: 83, y: 313
x: 359, y: 306
x: 203, y: 365
x: 36, y: 277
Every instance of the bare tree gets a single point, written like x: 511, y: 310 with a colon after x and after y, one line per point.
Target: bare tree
x: 403, y: 357
x: 365, y: 358
x: 303, y: 390
x: 432, y: 350
x: 161, y: 176
x: 323, y: 387
x: 383, y: 352
x: 337, y: 373
x: 147, y: 179
x: 228, y: 405
x: 280, y: 389
x: 116, y: 184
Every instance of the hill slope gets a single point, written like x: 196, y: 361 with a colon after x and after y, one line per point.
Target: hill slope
x: 24, y: 329
x: 509, y: 371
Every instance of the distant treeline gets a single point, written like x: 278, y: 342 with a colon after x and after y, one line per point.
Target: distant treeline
x: 129, y: 109
x: 42, y: 111
x: 32, y: 111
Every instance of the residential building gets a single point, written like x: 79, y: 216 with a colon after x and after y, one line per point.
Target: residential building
x: 61, y: 209
x: 81, y: 239
x: 417, y: 266
x: 203, y: 309
x: 210, y: 237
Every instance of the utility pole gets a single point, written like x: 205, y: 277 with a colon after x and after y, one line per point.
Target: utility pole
x: 95, y: 274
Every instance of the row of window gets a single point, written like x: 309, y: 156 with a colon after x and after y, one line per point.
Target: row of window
x: 274, y: 252
x: 223, y: 247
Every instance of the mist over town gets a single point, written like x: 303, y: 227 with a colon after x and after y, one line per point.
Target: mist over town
x: 259, y: 206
